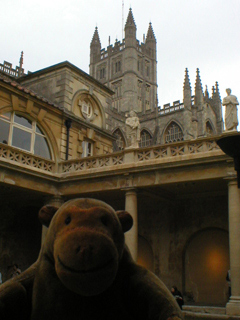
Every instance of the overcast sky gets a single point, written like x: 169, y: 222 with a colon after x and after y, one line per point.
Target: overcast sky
x: 191, y: 34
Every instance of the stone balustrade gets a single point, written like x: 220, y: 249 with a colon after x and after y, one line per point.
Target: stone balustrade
x: 7, y: 68
x: 24, y: 159
x: 167, y: 153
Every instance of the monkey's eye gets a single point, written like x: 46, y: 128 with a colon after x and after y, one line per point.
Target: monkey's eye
x: 67, y: 220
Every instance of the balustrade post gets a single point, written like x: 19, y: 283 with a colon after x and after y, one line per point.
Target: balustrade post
x: 186, y: 148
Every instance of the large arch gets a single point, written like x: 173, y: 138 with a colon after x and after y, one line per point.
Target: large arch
x: 205, y: 266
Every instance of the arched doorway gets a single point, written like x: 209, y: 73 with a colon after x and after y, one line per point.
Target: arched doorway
x: 206, y: 262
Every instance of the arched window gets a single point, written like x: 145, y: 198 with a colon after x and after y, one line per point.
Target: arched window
x: 209, y: 128
x: 145, y: 139
x: 25, y: 134
x: 173, y: 133
x: 120, y: 143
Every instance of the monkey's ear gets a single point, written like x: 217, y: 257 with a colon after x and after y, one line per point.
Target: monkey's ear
x: 126, y: 220
x: 46, y: 213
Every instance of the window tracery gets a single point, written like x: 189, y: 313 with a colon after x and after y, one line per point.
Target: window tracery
x: 173, y: 133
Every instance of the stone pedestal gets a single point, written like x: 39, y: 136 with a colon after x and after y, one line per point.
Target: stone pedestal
x: 54, y: 201
x: 233, y: 306
x: 132, y: 235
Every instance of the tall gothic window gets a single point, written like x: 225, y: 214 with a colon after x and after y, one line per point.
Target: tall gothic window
x: 173, y: 133
x: 120, y: 143
x: 23, y: 133
x: 209, y: 128
x: 146, y: 139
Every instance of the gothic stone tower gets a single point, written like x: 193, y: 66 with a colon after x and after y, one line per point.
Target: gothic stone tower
x: 130, y: 70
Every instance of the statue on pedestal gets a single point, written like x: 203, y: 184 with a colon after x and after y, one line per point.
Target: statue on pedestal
x: 231, y: 118
x: 133, y: 129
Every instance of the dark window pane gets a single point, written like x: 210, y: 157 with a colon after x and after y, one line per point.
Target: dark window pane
x: 23, y: 121
x: 6, y: 116
x: 4, y: 131
x: 41, y: 147
x: 21, y: 139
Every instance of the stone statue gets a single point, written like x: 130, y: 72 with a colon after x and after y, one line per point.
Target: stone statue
x: 133, y: 129
x: 231, y: 118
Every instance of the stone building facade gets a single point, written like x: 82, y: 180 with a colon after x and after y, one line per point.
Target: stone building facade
x: 178, y: 185
x: 129, y: 68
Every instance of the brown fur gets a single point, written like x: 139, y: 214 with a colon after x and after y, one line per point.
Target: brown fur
x: 85, y: 271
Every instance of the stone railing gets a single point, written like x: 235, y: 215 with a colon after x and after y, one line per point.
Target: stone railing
x: 127, y: 158
x: 141, y: 156
x: 24, y: 159
x: 167, y: 108
x: 7, y: 68
x: 101, y: 161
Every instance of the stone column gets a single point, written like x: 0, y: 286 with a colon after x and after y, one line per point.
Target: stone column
x: 56, y: 201
x: 132, y: 235
x: 233, y: 306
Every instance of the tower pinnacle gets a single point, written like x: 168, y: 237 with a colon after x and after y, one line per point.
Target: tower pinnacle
x: 187, y: 94
x: 198, y: 99
x: 95, y: 38
x: 150, y: 34
x: 130, y: 19
x: 130, y: 30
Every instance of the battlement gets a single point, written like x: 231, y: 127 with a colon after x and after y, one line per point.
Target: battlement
x: 7, y: 68
x: 167, y: 108
x: 118, y: 47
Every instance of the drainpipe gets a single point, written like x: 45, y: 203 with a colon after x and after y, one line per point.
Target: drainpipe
x: 68, y: 124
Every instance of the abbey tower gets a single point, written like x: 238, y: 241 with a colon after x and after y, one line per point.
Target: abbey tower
x: 129, y: 69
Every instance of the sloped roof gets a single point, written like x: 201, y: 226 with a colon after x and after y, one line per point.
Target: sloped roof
x: 61, y: 65
x: 28, y: 91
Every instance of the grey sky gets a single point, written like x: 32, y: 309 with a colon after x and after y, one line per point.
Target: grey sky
x: 202, y: 34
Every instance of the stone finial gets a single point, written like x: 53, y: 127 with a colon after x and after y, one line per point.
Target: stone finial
x: 187, y: 92
x: 186, y: 85
x: 130, y: 19
x: 95, y: 38
x: 206, y: 94
x: 213, y: 91
x: 198, y: 84
x: 198, y: 97
x: 21, y: 60
x: 218, y: 97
